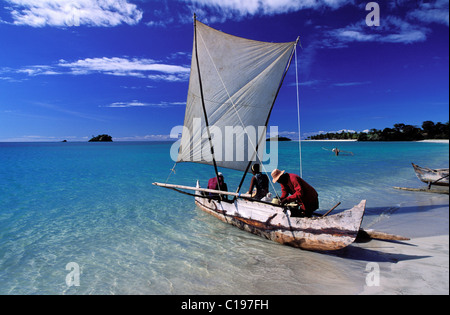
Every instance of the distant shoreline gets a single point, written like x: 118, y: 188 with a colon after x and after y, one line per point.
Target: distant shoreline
x: 333, y: 140
x: 174, y: 140
x: 435, y: 141
x: 354, y: 140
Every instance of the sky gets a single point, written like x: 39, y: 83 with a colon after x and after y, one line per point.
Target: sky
x: 71, y: 69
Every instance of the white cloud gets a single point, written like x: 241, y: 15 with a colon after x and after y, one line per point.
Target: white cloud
x: 309, y: 83
x: 127, y: 104
x: 391, y: 30
x: 351, y: 83
x: 37, y: 70
x: 406, y: 28
x: 141, y: 104
x: 213, y: 11
x: 425, y: 11
x: 66, y: 13
x: 124, y: 67
x: 142, y: 68
x: 432, y: 12
x: 265, y: 7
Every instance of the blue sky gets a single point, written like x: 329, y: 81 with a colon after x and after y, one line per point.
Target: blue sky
x: 70, y: 69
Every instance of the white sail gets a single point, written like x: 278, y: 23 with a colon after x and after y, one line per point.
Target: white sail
x: 239, y: 81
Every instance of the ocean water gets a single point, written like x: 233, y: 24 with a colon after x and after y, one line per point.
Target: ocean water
x: 84, y: 218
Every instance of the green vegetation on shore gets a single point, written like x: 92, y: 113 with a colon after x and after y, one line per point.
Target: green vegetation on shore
x: 400, y: 132
x: 278, y: 138
x: 101, y: 138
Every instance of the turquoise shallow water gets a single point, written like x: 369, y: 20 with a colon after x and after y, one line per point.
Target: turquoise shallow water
x: 93, y: 204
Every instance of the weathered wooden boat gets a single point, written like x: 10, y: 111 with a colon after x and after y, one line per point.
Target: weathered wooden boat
x: 277, y: 223
x: 437, y: 177
x: 233, y: 85
x: 317, y: 233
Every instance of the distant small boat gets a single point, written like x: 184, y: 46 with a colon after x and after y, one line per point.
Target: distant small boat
x: 432, y: 177
x: 337, y: 151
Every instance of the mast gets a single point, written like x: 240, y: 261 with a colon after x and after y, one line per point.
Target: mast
x: 203, y: 102
x: 270, y: 112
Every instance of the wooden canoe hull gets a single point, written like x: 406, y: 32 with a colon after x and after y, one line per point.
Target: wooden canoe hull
x: 438, y: 177
x: 318, y: 233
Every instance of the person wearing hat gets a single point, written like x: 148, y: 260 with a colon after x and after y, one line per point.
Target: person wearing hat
x: 217, y: 183
x: 259, y: 181
x: 295, y: 189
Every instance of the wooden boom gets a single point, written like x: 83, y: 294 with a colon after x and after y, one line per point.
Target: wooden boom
x: 214, y: 191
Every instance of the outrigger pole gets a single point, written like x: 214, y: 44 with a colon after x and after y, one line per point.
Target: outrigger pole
x: 180, y: 188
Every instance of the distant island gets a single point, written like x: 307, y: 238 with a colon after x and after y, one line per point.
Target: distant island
x: 400, y: 132
x: 101, y: 138
x: 278, y: 138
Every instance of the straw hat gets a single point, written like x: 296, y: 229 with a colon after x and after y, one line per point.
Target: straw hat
x: 276, y: 174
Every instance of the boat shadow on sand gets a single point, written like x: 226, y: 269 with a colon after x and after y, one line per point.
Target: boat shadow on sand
x: 402, y: 210
x: 372, y: 255
x: 360, y: 251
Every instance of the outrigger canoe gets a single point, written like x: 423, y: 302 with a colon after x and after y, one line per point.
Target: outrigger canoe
x: 233, y: 85
x: 432, y: 176
x: 276, y: 223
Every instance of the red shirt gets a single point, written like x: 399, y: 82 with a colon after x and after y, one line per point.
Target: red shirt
x: 301, y: 192
x: 212, y: 184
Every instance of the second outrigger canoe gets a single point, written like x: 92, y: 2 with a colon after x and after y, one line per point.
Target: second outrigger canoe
x: 432, y: 176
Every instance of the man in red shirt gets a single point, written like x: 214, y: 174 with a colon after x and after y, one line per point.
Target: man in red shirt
x: 218, y: 183
x: 298, y: 189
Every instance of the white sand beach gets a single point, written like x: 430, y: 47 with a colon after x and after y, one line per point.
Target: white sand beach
x: 421, y: 265
x: 354, y: 140
x: 435, y: 141
x: 334, y: 140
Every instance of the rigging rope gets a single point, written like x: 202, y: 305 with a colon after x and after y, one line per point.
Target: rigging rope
x: 172, y: 171
x: 298, y: 114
